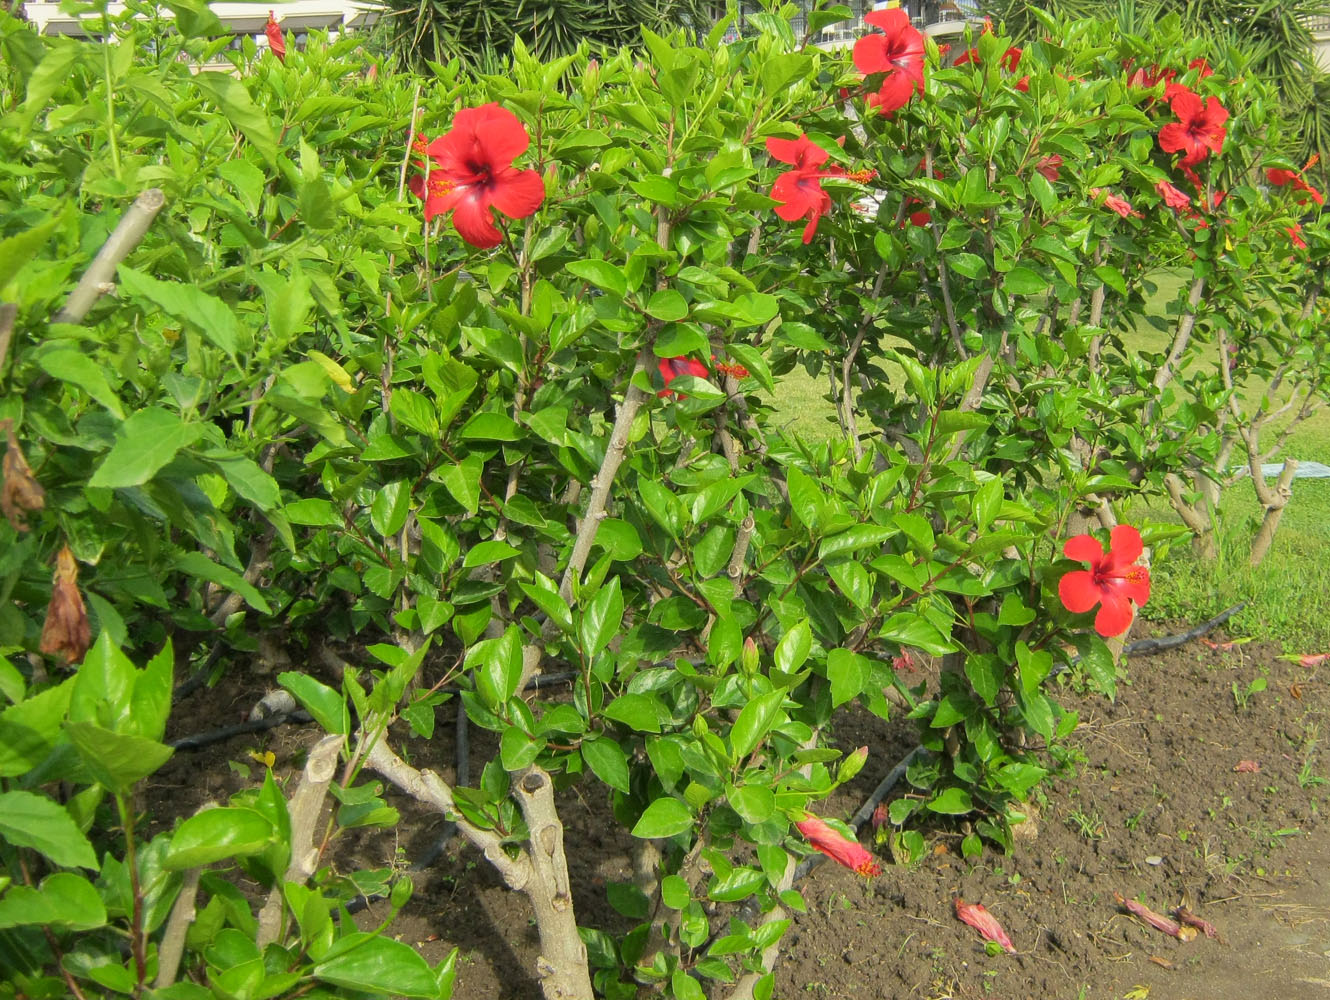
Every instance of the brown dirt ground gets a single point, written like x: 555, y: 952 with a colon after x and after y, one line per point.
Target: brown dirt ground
x: 1152, y: 808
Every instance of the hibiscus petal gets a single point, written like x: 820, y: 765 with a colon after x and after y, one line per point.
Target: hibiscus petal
x: 517, y: 193
x: 1078, y: 591
x: 870, y: 54
x: 474, y: 223
x: 895, y: 93
x: 1083, y: 547
x: 984, y: 922
x: 1125, y: 545
x: 801, y: 152
x: 1137, y: 585
x: 1115, y: 613
x: 1175, y: 138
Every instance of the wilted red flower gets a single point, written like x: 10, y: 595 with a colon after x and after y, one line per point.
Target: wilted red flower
x: 473, y: 172
x: 1049, y: 166
x: 1113, y: 580
x: 66, y: 632
x: 20, y: 493
x: 838, y: 848
x: 880, y: 817
x: 672, y: 368
x: 1295, y: 235
x: 984, y: 922
x: 726, y: 368
x: 1116, y: 204
x: 1200, y: 63
x: 1283, y: 178
x: 799, y: 191
x: 275, y: 40
x: 1199, y: 130
x: 1173, y: 198
x: 897, y: 52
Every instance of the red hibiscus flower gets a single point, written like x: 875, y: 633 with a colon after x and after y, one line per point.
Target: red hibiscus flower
x: 1147, y: 78
x: 1202, y: 65
x: 275, y: 40
x: 838, y: 848
x: 1113, y: 580
x: 1295, y: 235
x: 1049, y: 166
x: 897, y: 52
x: 1173, y: 198
x: 672, y: 368
x: 473, y: 172
x: 1199, y: 130
x: 799, y: 191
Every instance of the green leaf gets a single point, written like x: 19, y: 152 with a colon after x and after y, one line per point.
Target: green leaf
x: 600, y: 273
x: 216, y: 834
x: 17, y: 250
x: 608, y: 762
x: 314, y: 512
x: 77, y: 369
x: 665, y: 817
x: 199, y: 565
x: 848, y: 672
x: 213, y: 317
x: 952, y: 802
x: 601, y: 618
x: 28, y: 730
x: 151, y: 704
x: 392, y: 503
x: 754, y: 722
x: 793, y: 648
x: 667, y: 305
x: 488, y: 552
x: 501, y: 667
x: 28, y: 820
x: 753, y: 803
x: 640, y: 712
x: 1024, y: 281
x: 64, y: 900
x: 239, y: 109
x: 145, y: 443
x: 327, y: 706
x: 116, y: 760
x: 377, y: 965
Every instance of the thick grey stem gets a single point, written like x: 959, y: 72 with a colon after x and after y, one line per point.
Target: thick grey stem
x: 305, y: 806
x: 743, y: 989
x: 633, y: 399
x: 99, y: 278
x: 1274, y: 511
x: 562, y: 963
x: 1180, y: 341
x: 428, y: 788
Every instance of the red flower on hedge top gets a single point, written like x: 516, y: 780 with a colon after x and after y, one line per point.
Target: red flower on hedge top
x: 838, y: 848
x: 1009, y: 61
x: 672, y: 368
x: 799, y: 191
x: 1113, y: 580
x: 898, y: 52
x: 275, y: 40
x: 1199, y: 131
x: 473, y: 172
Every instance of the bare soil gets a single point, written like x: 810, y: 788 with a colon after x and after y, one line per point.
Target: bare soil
x: 1154, y: 806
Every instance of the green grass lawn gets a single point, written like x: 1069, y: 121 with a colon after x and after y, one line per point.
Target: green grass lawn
x: 1288, y: 595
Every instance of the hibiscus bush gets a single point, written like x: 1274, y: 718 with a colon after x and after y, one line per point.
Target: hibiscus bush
x: 449, y: 382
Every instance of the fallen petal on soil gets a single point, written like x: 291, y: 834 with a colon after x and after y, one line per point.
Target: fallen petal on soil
x: 1246, y: 767
x: 1185, y: 916
x: 984, y: 922
x: 1159, y: 922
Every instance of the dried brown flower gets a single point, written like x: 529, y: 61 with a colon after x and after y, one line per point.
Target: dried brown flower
x: 20, y: 493
x: 66, y: 633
